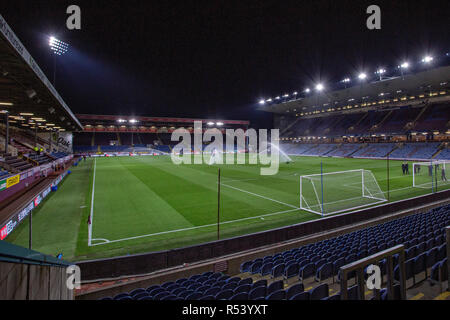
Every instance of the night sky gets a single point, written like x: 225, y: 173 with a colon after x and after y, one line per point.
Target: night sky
x: 216, y: 59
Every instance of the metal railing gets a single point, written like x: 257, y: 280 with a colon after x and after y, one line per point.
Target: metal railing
x: 16, y: 254
x: 360, y: 265
x: 447, y: 232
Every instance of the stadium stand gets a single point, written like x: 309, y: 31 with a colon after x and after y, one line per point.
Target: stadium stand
x: 285, y: 275
x: 344, y: 150
x: 374, y: 150
x: 418, y: 150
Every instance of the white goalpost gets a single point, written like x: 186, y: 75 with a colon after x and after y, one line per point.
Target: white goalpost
x: 335, y: 192
x: 430, y: 174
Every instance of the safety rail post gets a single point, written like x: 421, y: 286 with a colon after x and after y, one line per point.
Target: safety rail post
x: 447, y: 234
x: 358, y: 267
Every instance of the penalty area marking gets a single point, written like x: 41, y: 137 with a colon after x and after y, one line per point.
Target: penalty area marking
x: 191, y: 228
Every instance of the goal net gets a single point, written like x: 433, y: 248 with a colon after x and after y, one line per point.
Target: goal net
x: 335, y: 192
x: 430, y: 174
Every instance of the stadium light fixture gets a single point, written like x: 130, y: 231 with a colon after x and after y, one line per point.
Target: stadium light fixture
x: 427, y: 59
x: 261, y: 101
x: 307, y: 90
x: 269, y: 100
x: 219, y: 124
x: 121, y: 120
x: 295, y: 93
x: 362, y: 76
x: 286, y: 96
x: 346, y: 80
x: 404, y: 65
x: 380, y: 72
x: 210, y: 123
x: 133, y: 121
x: 319, y: 87
x: 57, y: 46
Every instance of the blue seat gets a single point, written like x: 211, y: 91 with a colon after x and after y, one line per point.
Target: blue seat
x: 161, y: 295
x: 137, y: 291
x: 266, y: 269
x: 259, y: 283
x: 155, y: 291
x: 185, y: 293
x: 294, y: 290
x: 352, y: 293
x: 240, y: 296
x: 121, y: 295
x: 169, y: 297
x: 212, y: 291
x: 291, y: 271
x: 202, y: 288
x: 275, y: 286
x: 245, y: 281
x: 243, y: 288
x: 301, y: 296
x: 230, y: 286
x: 277, y: 295
x: 319, y: 292
x: 306, y: 271
x: 256, y: 267
x: 224, y: 295
x: 139, y: 295
x: 257, y: 292
x: 194, y: 296
x: 277, y: 271
x: 324, y: 272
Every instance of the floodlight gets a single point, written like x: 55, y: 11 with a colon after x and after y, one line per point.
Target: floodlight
x: 295, y: 93
x: 346, y: 80
x: 261, y: 101
x: 404, y: 65
x: 210, y: 123
x: 219, y: 124
x: 380, y: 71
x: 285, y: 96
x: 307, y: 90
x: 319, y: 87
x: 133, y: 121
x: 362, y: 76
x: 57, y: 46
x: 269, y: 100
x: 427, y: 59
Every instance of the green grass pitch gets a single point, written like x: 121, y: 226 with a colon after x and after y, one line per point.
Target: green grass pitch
x: 143, y: 204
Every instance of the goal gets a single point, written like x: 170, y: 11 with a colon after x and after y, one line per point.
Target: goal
x: 335, y: 192
x: 430, y: 174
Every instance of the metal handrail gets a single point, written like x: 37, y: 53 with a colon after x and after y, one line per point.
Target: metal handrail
x: 359, y: 266
x: 447, y: 232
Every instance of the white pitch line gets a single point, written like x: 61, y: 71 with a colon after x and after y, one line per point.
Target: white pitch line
x: 92, y: 207
x: 194, y: 228
x: 258, y: 195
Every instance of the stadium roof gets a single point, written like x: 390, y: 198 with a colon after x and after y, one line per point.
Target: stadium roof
x: 25, y: 89
x: 84, y: 117
x: 437, y: 79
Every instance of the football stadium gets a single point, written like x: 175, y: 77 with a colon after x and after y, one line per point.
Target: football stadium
x: 343, y: 196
